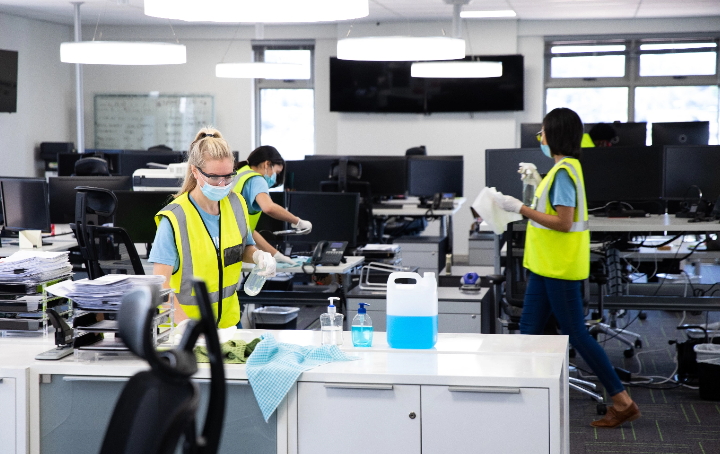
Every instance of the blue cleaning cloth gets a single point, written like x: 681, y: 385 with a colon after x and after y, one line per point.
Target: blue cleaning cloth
x: 282, y: 265
x: 274, y: 367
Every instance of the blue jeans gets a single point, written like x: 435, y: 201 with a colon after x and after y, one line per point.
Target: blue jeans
x: 545, y: 295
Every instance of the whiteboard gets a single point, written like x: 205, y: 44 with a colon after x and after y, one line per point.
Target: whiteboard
x: 138, y: 122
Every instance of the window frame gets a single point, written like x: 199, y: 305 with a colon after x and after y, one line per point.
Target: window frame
x: 258, y: 50
x: 632, y: 78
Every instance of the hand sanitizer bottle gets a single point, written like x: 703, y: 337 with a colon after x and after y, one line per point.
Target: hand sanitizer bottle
x: 362, y: 330
x: 331, y: 325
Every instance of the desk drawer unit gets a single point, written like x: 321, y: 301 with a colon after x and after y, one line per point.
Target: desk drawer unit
x: 8, y: 415
x: 76, y: 410
x: 481, y: 250
x: 425, y: 252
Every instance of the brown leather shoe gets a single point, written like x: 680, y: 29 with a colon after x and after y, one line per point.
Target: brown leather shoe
x: 614, y: 418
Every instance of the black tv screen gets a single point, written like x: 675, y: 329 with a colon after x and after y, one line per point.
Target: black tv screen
x: 8, y: 80
x: 360, y: 86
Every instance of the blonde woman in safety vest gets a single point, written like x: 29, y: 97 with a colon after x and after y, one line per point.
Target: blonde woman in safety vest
x: 557, y: 254
x: 204, y: 233
x: 264, y: 169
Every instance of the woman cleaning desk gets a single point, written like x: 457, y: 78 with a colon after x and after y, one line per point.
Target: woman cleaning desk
x: 205, y: 233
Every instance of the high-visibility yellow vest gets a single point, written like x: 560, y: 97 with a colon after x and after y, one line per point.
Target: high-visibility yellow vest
x: 244, y: 174
x: 220, y: 267
x: 556, y: 254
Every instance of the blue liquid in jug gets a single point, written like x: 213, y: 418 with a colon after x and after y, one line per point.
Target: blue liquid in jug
x: 412, y: 332
x: 362, y: 336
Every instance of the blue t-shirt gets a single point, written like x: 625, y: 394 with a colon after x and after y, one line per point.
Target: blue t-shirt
x: 252, y: 188
x: 164, y: 250
x: 562, y: 191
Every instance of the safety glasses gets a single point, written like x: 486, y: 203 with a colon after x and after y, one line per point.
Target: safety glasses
x: 216, y: 180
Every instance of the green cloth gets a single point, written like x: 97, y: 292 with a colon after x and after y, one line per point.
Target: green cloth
x: 234, y: 352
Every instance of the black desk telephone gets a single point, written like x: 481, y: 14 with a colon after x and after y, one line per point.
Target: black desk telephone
x: 328, y: 253
x: 440, y: 201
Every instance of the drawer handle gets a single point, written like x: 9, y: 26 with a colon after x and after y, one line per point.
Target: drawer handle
x: 483, y: 389
x: 94, y: 378
x: 227, y: 381
x: 358, y: 386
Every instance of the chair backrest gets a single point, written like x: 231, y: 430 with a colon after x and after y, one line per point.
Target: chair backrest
x: 344, y: 170
x: 158, y: 407
x: 416, y: 151
x: 105, y: 250
x: 91, y: 167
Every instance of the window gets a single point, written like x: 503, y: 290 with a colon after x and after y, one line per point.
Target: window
x: 648, y: 79
x: 285, y: 109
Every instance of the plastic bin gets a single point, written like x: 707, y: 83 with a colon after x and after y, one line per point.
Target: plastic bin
x: 708, y: 361
x: 276, y: 317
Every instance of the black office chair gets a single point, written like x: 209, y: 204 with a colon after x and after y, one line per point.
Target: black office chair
x: 515, y: 281
x: 157, y: 407
x: 416, y: 151
x: 105, y: 250
x: 345, y: 176
x: 91, y: 167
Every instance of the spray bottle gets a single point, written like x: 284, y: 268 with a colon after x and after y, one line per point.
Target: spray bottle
x: 530, y: 179
x: 331, y: 325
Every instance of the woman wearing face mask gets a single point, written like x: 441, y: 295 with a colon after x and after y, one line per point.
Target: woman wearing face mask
x: 557, y: 254
x: 205, y: 233
x: 255, y: 178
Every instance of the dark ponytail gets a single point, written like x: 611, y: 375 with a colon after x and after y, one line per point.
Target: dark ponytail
x: 262, y: 154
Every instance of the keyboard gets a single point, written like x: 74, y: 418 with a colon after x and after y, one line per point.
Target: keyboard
x: 390, y: 206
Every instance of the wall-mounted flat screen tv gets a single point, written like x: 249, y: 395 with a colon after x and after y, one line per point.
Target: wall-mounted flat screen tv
x: 8, y: 80
x: 387, y: 87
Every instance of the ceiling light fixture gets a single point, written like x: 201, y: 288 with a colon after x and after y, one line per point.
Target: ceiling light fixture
x: 487, y: 14
x: 122, y: 53
x: 267, y: 11
x: 457, y: 69
x: 262, y: 70
x: 401, y: 48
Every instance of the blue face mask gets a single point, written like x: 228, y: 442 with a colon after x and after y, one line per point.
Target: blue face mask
x: 546, y: 150
x: 216, y: 193
x: 270, y: 179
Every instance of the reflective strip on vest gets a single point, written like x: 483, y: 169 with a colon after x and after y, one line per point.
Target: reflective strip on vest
x: 185, y: 296
x: 582, y: 224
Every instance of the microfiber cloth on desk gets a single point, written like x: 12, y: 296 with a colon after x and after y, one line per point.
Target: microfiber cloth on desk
x: 274, y: 367
x: 233, y: 351
x: 283, y: 265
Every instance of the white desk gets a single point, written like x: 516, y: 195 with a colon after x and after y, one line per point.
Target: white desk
x: 78, y: 398
x: 59, y: 243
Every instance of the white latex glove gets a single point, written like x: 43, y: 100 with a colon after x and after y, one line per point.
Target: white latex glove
x: 302, y: 225
x: 282, y: 258
x: 265, y: 260
x: 508, y: 202
x: 529, y: 173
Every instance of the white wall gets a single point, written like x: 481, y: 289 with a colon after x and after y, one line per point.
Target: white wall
x: 45, y: 94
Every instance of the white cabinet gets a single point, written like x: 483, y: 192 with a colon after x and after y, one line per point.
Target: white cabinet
x: 350, y: 418
x: 485, y: 420
x: 383, y: 418
x: 8, y: 415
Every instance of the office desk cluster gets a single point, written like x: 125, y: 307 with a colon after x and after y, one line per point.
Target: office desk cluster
x: 471, y: 391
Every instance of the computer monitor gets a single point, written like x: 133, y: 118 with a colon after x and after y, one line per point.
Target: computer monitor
x: 429, y: 175
x: 387, y: 175
x: 334, y: 216
x: 528, y: 135
x: 129, y: 160
x: 688, y: 166
x: 623, y: 174
x: 270, y: 224
x: 136, y: 212
x: 306, y: 175
x: 681, y: 133
x: 66, y: 163
x: 62, y: 193
x: 501, y: 168
x: 25, y: 204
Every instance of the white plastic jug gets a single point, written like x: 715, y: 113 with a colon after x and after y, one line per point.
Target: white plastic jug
x: 412, y: 311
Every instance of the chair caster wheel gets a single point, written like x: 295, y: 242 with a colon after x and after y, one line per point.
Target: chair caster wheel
x: 601, y: 409
x: 572, y: 353
x: 628, y: 353
x: 638, y: 343
x: 642, y: 316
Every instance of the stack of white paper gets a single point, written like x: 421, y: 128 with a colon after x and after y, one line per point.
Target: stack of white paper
x: 104, y: 293
x: 34, y: 267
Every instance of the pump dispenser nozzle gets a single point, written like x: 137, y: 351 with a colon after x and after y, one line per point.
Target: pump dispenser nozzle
x: 331, y: 307
x: 361, y: 309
